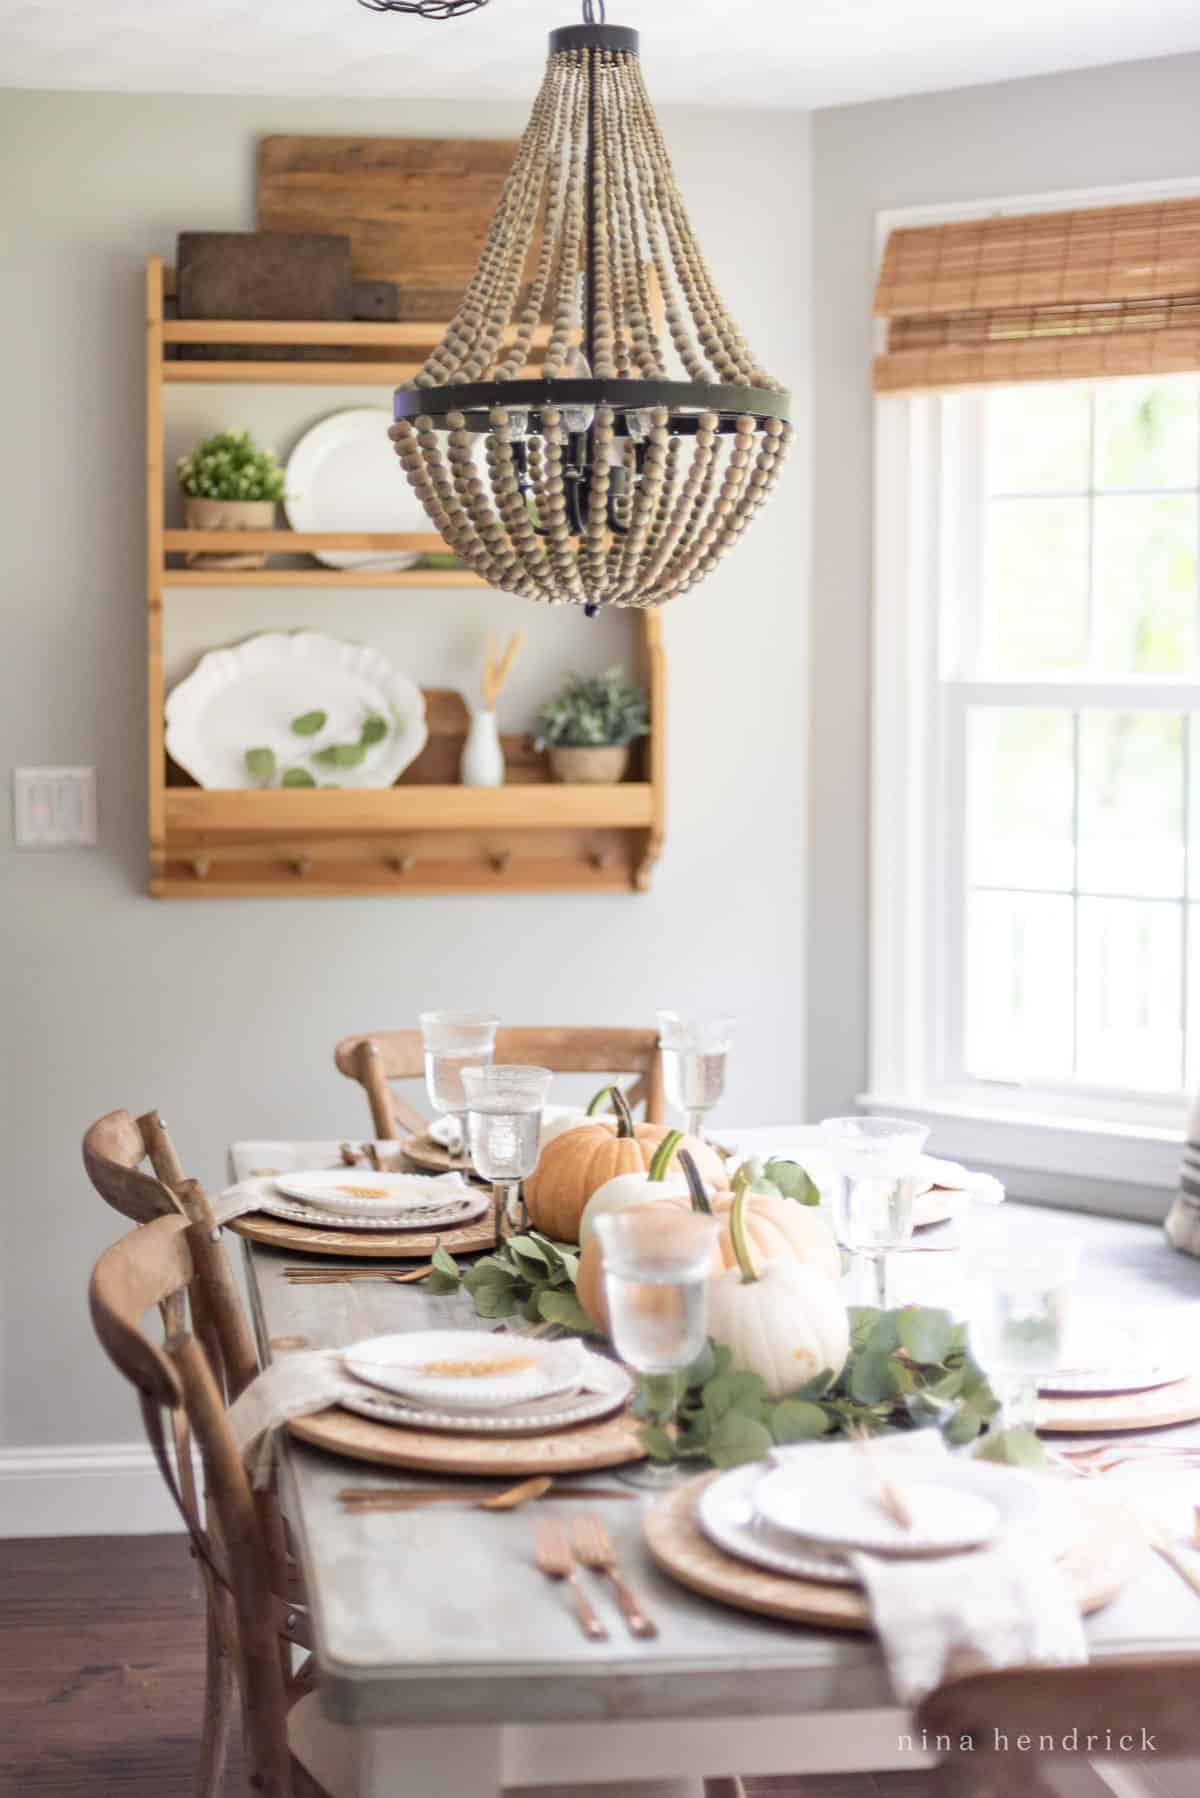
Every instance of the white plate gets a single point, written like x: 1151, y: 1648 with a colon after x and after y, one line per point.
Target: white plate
x: 843, y: 1513
x: 525, y: 1367
x: 343, y: 476
x: 1107, y: 1354
x: 246, y: 698
x: 345, y: 1191
x: 461, y: 1212
x: 607, y: 1387
x: 727, y: 1515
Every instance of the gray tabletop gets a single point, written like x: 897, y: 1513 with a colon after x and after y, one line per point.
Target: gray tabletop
x: 440, y: 1616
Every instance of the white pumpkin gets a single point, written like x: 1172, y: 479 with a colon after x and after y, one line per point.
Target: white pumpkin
x: 778, y: 1318
x: 639, y: 1188
x: 787, y: 1325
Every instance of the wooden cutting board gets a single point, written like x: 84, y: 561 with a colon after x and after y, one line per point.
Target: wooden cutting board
x: 416, y: 209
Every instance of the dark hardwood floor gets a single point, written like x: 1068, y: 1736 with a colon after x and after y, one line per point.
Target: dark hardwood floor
x: 101, y: 1664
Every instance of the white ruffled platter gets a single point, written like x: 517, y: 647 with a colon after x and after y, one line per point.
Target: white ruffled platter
x: 247, y: 697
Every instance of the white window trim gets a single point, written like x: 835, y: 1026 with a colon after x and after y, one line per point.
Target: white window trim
x: 1124, y: 1161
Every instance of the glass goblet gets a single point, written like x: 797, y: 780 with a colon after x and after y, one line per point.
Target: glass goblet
x: 694, y: 1055
x: 875, y: 1163
x: 1017, y: 1295
x: 455, y: 1040
x: 657, y: 1264
x: 504, y: 1121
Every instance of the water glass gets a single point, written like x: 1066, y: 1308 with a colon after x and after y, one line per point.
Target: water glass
x: 694, y: 1054
x: 657, y: 1264
x: 455, y: 1040
x: 504, y: 1122
x: 1017, y: 1300
x: 875, y: 1163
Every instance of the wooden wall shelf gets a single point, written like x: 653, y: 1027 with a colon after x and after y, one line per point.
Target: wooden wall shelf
x: 426, y: 834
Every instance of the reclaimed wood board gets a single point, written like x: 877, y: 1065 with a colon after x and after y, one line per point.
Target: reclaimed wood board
x: 416, y: 209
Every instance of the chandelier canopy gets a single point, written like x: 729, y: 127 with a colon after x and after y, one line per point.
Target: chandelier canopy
x: 566, y: 445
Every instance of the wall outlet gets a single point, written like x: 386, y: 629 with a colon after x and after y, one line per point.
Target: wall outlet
x: 54, y: 808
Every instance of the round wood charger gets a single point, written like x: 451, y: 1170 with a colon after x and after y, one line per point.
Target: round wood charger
x: 1092, y: 1413
x: 1096, y: 1566
x: 424, y: 1153
x: 609, y: 1442
x: 366, y: 1245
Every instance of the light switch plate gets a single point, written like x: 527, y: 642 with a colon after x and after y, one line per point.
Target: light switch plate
x: 54, y: 808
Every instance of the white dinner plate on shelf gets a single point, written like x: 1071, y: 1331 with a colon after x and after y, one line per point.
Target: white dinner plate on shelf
x: 344, y: 475
x: 248, y: 696
x: 347, y: 1190
x: 466, y: 1369
x: 604, y: 1387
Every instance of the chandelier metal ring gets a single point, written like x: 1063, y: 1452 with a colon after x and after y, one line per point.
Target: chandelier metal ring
x: 426, y: 9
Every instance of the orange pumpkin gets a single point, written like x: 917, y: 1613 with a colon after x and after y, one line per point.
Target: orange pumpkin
x: 776, y: 1229
x: 576, y: 1164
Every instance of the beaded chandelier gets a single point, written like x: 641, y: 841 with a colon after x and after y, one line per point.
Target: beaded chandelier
x: 559, y: 448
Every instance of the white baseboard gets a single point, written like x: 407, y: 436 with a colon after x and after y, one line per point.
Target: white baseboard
x: 111, y: 1489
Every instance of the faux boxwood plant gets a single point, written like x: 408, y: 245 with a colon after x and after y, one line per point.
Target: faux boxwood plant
x: 230, y: 466
x: 594, y: 711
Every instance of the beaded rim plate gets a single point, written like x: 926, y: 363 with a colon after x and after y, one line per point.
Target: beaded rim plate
x: 609, y: 1386
x: 464, y: 1212
x: 340, y: 1192
x: 726, y: 1515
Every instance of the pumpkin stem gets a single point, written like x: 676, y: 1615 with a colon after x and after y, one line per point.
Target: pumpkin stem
x: 691, y: 1174
x: 742, y: 1182
x: 620, y: 1105
x: 662, y: 1155
x: 605, y: 1093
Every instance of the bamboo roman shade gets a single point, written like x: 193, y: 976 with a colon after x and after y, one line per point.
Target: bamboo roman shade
x: 1043, y: 296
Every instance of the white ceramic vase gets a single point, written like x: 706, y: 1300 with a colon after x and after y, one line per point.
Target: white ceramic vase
x: 482, y: 763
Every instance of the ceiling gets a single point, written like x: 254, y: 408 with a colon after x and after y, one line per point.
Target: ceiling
x: 803, y: 53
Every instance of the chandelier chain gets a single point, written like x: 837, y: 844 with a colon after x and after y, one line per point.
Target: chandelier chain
x: 593, y: 12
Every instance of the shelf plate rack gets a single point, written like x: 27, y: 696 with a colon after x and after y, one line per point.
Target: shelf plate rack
x: 426, y: 834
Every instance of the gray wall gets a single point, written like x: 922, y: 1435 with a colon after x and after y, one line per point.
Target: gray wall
x: 224, y: 1013
x: 1133, y: 122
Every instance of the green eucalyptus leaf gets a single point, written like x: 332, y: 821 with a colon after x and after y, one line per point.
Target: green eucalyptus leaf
x: 964, y: 1426
x: 871, y: 1377
x: 446, y: 1276
x: 796, y: 1420
x: 309, y: 723
x: 885, y: 1337
x: 733, y: 1392
x: 1013, y: 1448
x: 817, y: 1386
x: 563, y: 1308
x: 297, y: 777
x: 863, y: 1319
x: 260, y: 763
x: 494, y: 1301
x: 926, y: 1335
x: 792, y: 1180
x: 737, y: 1439
x: 374, y: 730
x: 704, y: 1367
x: 656, y: 1442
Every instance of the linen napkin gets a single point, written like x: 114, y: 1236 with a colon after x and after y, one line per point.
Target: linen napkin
x: 439, y: 1190
x: 1002, y: 1605
x: 301, y: 1382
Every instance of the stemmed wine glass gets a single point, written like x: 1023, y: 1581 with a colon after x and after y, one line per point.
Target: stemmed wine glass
x: 455, y: 1040
x: 875, y: 1161
x: 504, y: 1121
x: 657, y: 1264
x: 694, y: 1054
x: 1017, y: 1296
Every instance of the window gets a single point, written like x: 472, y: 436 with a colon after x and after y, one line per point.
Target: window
x: 1037, y: 779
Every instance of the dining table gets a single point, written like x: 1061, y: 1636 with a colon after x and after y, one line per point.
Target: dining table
x: 448, y: 1664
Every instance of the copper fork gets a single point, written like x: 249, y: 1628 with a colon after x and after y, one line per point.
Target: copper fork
x: 594, y: 1547
x: 553, y: 1554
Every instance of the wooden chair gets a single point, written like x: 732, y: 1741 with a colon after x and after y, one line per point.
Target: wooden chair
x: 381, y: 1056
x: 975, y: 1723
x: 114, y: 1148
x: 154, y: 1265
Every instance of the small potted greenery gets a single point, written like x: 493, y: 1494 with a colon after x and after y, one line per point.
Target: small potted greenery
x: 588, y: 728
x: 229, y: 484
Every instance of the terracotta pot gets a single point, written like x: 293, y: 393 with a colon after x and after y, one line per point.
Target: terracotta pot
x: 590, y: 767
x: 228, y: 515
